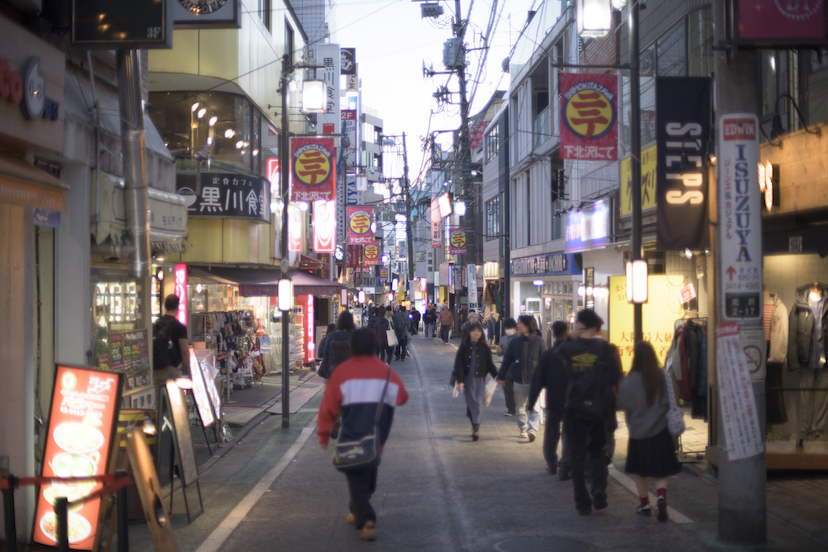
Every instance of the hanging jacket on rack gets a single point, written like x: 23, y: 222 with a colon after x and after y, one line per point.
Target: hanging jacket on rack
x: 778, y: 331
x: 801, y: 328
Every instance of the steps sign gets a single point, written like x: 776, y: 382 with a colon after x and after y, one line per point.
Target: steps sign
x: 740, y: 225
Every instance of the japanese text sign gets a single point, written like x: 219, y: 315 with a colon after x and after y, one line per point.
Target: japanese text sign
x: 436, y: 237
x: 226, y: 195
x: 312, y: 169
x: 359, y: 225
x: 78, y: 443
x: 589, y: 227
x: 739, y: 414
x: 649, y: 163
x: 353, y: 256
x: 371, y: 254
x: 457, y: 241
x: 324, y: 226
x: 180, y: 273
x: 589, y: 116
x: 202, y: 397
x: 740, y: 223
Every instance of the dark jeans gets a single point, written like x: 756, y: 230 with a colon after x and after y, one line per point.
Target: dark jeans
x: 553, y: 434
x: 509, y: 393
x: 586, y: 437
x: 399, y: 350
x: 386, y: 354
x: 361, y: 485
x: 444, y: 332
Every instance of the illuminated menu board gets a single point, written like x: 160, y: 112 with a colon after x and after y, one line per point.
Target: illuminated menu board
x: 82, y: 425
x: 200, y: 393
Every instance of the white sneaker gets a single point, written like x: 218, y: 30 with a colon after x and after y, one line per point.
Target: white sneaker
x: 524, y: 434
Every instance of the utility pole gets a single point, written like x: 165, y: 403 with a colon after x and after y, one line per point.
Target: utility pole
x: 462, y: 157
x: 742, y: 483
x: 408, y: 227
x: 284, y: 175
x: 637, y: 251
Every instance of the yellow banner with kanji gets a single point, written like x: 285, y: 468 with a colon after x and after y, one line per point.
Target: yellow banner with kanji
x: 648, y: 182
x: 659, y: 316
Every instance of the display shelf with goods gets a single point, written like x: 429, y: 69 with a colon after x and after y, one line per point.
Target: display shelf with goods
x: 156, y: 307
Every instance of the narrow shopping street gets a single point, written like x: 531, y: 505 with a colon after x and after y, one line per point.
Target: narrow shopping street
x: 437, y: 490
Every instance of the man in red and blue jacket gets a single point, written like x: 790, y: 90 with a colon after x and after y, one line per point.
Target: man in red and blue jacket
x: 355, y: 390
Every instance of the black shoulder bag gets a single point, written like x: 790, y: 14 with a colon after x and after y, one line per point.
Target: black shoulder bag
x: 364, y: 454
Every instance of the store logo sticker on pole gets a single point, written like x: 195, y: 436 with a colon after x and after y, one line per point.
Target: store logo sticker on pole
x: 740, y: 223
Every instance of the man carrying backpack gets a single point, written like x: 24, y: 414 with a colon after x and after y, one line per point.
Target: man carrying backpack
x: 592, y: 367
x: 170, y: 347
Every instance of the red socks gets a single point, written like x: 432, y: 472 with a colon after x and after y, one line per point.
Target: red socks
x: 662, y: 494
x: 644, y: 501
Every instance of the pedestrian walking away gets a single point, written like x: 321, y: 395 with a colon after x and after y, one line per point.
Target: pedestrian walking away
x: 429, y: 320
x: 323, y: 370
x: 471, y: 365
x: 446, y: 320
x: 381, y: 327
x: 551, y: 376
x: 645, y: 400
x: 402, y: 325
x: 592, y: 370
x: 521, y: 359
x: 170, y: 347
x: 356, y: 390
x: 509, y: 331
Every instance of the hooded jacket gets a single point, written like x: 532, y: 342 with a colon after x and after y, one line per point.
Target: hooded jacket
x: 779, y: 331
x: 521, y: 358
x: 801, y: 327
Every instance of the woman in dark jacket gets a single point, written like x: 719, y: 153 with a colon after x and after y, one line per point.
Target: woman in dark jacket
x: 472, y: 363
x: 336, y: 348
x: 521, y: 359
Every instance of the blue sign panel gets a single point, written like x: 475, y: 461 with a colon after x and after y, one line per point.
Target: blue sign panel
x: 588, y: 228
x: 550, y: 264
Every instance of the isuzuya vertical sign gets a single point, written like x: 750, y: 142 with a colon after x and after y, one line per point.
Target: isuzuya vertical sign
x: 312, y: 169
x: 682, y: 131
x: 589, y: 116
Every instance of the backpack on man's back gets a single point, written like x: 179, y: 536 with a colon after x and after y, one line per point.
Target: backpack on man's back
x: 163, y: 348
x: 590, y: 378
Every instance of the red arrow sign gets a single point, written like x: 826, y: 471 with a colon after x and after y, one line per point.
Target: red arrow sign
x: 730, y: 272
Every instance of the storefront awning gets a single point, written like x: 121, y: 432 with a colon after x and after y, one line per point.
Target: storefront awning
x: 24, y: 184
x: 167, y: 214
x: 263, y: 282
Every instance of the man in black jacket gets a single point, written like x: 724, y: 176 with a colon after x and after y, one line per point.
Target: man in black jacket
x: 521, y: 359
x: 551, y: 375
x: 593, y: 369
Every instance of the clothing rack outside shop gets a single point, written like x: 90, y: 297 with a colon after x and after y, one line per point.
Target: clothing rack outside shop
x: 696, y: 395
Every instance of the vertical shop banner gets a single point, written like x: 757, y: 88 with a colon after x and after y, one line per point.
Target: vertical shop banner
x: 436, y: 238
x: 471, y: 283
x: 359, y: 225
x: 739, y: 414
x: 649, y: 163
x: 371, y: 254
x: 296, y: 226
x: 384, y: 274
x: 312, y: 169
x: 682, y: 132
x: 349, y: 129
x: 82, y: 424
x: 324, y: 226
x: 180, y: 289
x: 740, y: 225
x: 329, y: 57
x: 589, y: 116
x: 457, y: 241
x: 354, y: 256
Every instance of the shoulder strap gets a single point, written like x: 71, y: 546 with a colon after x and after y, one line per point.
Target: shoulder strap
x: 382, y: 399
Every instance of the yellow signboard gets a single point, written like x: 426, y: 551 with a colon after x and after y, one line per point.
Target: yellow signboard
x: 648, y: 182
x: 659, y: 316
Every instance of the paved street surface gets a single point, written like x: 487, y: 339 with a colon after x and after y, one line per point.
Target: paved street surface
x: 437, y: 490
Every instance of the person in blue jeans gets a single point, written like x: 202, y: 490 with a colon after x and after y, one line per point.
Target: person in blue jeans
x: 521, y: 360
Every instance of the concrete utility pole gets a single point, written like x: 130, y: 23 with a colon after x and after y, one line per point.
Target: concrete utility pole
x: 637, y: 251
x: 462, y: 157
x: 408, y: 227
x: 284, y: 175
x: 742, y: 492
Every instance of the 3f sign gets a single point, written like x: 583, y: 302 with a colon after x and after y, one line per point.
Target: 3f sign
x: 153, y: 32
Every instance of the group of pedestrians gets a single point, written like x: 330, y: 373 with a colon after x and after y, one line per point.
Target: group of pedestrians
x: 580, y: 373
x: 582, y: 377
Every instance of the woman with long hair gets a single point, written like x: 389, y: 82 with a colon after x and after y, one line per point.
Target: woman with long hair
x: 472, y: 363
x: 643, y: 397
